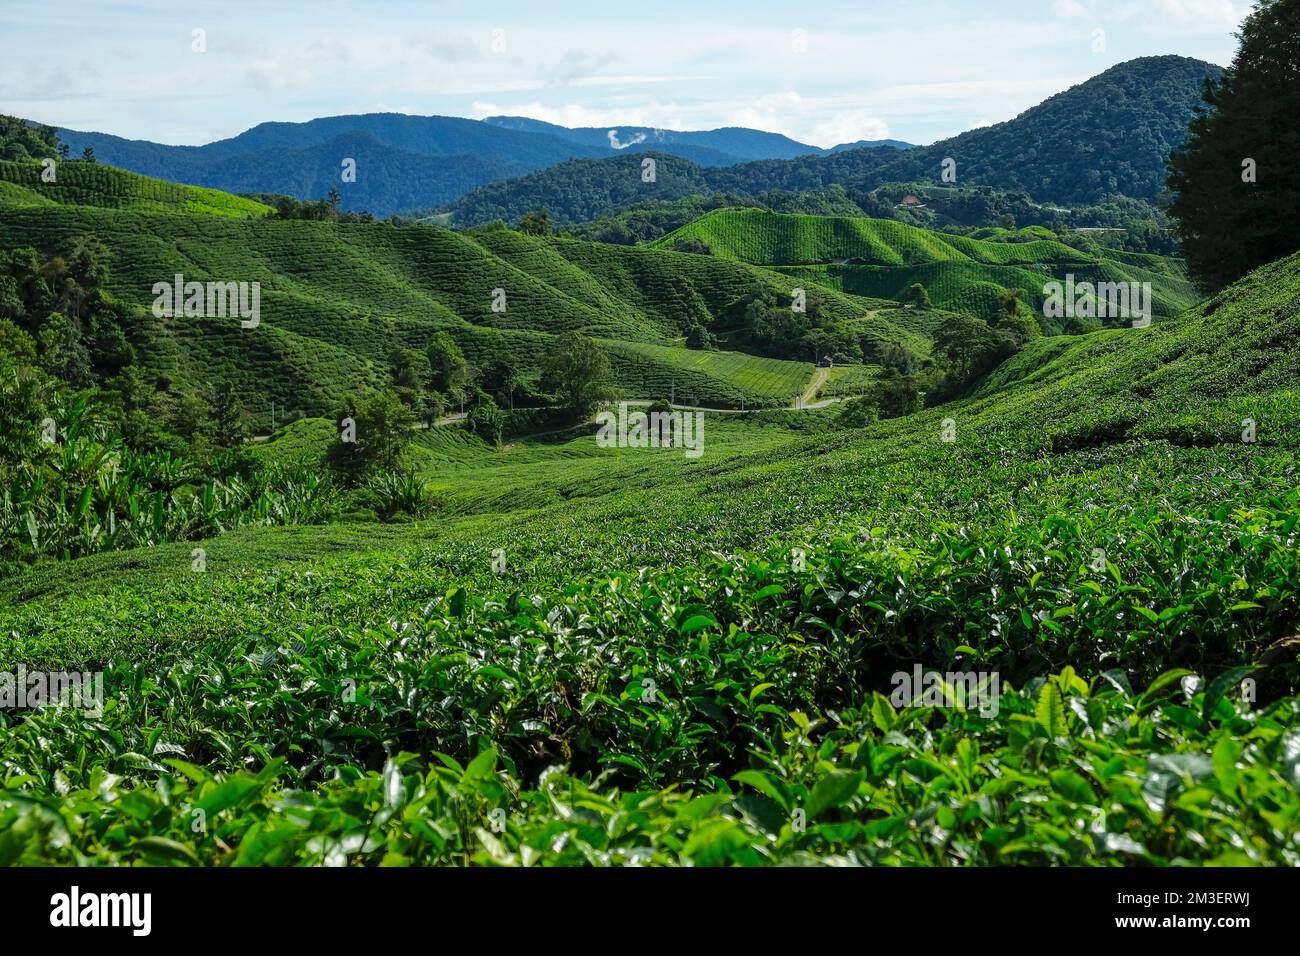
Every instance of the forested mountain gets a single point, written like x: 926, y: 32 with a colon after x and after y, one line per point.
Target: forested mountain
x: 580, y: 190
x: 408, y: 163
x: 715, y: 147
x: 403, y: 162
x: 1110, y: 135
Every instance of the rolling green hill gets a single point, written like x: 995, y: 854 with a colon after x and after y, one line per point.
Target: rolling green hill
x: 338, y: 298
x: 882, y: 258
x: 94, y: 184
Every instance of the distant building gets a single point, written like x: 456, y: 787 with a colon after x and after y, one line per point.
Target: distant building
x: 910, y: 202
x: 1087, y: 229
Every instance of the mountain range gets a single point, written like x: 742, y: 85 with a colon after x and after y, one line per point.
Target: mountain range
x: 409, y: 163
x: 716, y: 147
x: 1110, y: 135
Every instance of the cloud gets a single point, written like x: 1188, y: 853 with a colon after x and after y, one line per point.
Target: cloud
x: 1068, y: 9
x: 275, y: 76
x: 633, y: 80
x: 770, y: 113
x: 1204, y: 12
x: 615, y: 144
x: 49, y: 84
x: 575, y: 65
x: 848, y: 128
x: 444, y: 49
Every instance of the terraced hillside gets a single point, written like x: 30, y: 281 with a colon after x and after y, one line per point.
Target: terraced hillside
x: 881, y: 258
x: 81, y: 183
x: 337, y: 298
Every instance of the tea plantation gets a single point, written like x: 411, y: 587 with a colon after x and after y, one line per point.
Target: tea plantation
x: 883, y: 259
x: 593, y: 656
x: 566, y: 654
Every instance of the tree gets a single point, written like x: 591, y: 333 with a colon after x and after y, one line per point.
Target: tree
x: 88, y: 154
x: 501, y: 378
x: 432, y: 407
x: 858, y: 412
x: 1019, y: 323
x: 382, y: 431
x: 17, y: 343
x: 692, y: 244
x: 895, y: 394
x: 577, y: 369
x: 918, y: 296
x: 411, y: 371
x: 334, y: 197
x: 1237, y: 203
x: 19, y: 140
x: 536, y: 223
x: 1082, y: 325
x: 969, y: 348
x: 447, y: 362
x: 229, y: 424
x: 1010, y: 300
x: 487, y: 421
x: 26, y: 397
x: 698, y: 337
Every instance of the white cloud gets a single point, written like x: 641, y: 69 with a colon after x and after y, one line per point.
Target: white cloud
x: 445, y: 49
x: 848, y: 128
x: 277, y: 76
x: 614, y: 142
x: 636, y: 79
x: 1212, y: 13
x: 771, y: 113
x: 1068, y: 9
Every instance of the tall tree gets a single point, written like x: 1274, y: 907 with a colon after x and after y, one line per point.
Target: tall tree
x: 1238, y: 201
x: 536, y: 223
x: 578, y: 371
x: 447, y: 362
x: 20, y: 140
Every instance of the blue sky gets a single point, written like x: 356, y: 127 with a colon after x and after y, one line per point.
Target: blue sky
x: 824, y: 73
